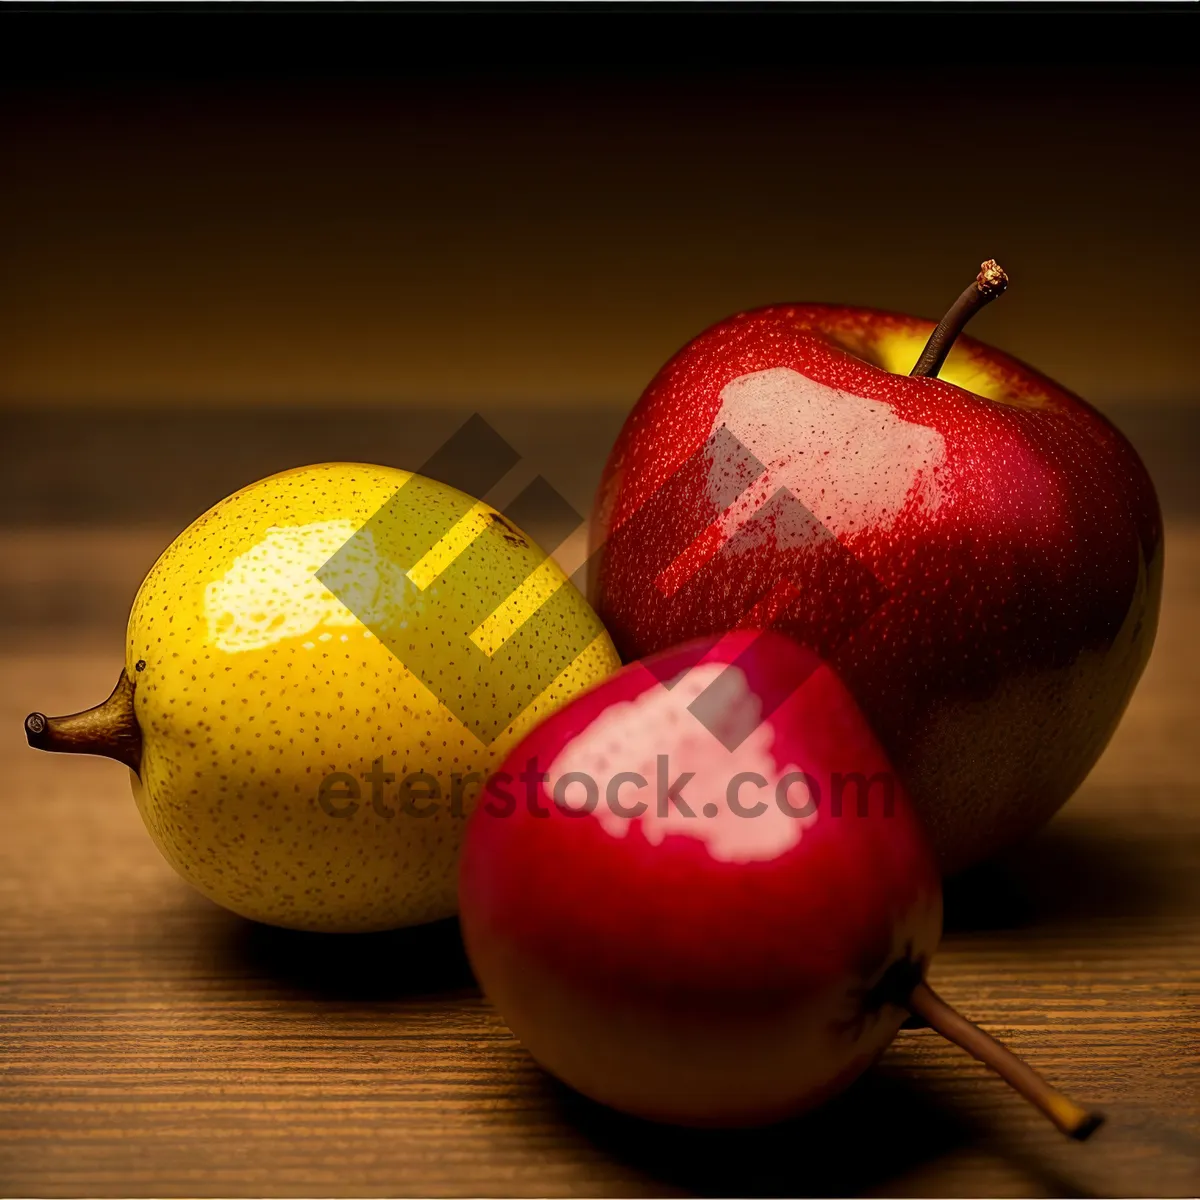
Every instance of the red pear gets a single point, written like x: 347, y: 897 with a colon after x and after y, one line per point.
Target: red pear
x: 979, y: 555
x: 698, y: 894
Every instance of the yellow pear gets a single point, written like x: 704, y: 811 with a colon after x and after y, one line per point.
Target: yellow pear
x: 319, y: 674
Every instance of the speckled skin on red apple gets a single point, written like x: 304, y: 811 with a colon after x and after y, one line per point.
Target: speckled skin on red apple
x: 982, y: 562
x: 722, y: 969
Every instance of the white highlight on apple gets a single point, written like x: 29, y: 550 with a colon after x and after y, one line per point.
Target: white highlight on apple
x: 849, y: 460
x: 661, y: 718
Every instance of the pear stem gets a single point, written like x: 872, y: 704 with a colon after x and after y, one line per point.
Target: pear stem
x: 109, y: 730
x: 1073, y: 1120
x: 988, y: 284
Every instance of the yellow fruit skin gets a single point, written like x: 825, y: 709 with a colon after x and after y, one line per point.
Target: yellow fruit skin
x: 254, y: 683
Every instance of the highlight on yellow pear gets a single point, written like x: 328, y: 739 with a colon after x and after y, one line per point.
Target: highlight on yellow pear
x: 320, y: 672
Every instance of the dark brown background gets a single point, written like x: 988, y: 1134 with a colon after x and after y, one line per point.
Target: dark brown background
x: 518, y: 236
x: 226, y: 249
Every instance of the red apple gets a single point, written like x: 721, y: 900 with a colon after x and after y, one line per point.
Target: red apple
x: 697, y: 894
x: 979, y: 555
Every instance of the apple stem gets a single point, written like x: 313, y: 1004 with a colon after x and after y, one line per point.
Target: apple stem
x: 109, y: 730
x: 1076, y: 1122
x: 987, y: 285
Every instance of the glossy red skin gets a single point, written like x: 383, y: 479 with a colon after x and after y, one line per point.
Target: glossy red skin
x: 1016, y: 618
x: 675, y: 982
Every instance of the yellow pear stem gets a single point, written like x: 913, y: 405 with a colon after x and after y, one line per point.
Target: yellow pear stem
x: 1073, y: 1120
x: 109, y: 730
x: 988, y: 284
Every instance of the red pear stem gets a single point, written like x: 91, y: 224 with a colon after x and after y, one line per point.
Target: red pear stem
x: 109, y: 730
x: 989, y: 283
x: 1076, y: 1122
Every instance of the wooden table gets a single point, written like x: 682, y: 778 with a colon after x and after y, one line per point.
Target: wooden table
x: 154, y: 1045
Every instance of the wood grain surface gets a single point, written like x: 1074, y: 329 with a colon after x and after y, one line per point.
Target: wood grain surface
x: 153, y: 1045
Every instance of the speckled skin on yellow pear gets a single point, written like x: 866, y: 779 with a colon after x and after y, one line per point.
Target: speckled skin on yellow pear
x: 253, y: 683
